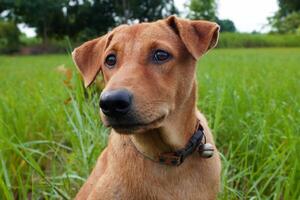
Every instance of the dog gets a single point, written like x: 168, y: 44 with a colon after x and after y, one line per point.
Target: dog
x: 149, y: 101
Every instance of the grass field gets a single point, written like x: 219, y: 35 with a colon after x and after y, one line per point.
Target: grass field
x: 247, y: 40
x: 51, y: 135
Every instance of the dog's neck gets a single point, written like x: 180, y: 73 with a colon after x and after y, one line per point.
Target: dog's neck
x: 171, y: 136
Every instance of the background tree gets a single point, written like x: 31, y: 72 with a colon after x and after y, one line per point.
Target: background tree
x: 203, y: 9
x: 9, y: 32
x: 206, y: 10
x: 5, y: 5
x: 83, y: 19
x: 146, y: 10
x: 2, y: 8
x: 47, y: 16
x: 87, y: 19
x: 226, y: 25
x: 9, y: 37
x: 287, y: 18
x: 287, y: 7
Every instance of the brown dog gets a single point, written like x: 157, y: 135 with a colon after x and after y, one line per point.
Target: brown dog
x: 150, y: 102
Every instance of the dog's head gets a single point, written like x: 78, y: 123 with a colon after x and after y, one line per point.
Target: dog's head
x: 148, y: 68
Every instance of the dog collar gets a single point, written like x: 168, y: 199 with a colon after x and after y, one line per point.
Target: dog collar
x: 195, y: 143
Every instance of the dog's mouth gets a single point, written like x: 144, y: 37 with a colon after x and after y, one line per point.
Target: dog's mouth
x: 128, y: 128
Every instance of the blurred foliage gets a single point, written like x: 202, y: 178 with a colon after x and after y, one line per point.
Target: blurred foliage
x: 9, y: 37
x: 147, y: 10
x: 84, y: 19
x: 62, y: 17
x: 200, y: 9
x: 87, y: 19
x: 288, y: 6
x: 226, y: 25
x: 287, y: 18
x: 286, y: 24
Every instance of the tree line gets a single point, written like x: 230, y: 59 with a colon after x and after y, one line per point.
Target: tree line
x: 81, y: 19
x: 84, y: 19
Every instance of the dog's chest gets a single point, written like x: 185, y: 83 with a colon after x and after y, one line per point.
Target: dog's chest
x: 164, y: 184
x: 129, y: 175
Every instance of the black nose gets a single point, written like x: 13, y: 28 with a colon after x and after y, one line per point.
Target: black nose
x: 115, y: 103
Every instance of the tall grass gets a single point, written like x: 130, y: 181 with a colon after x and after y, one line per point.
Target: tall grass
x: 252, y: 100
x: 51, y: 134
x: 246, y: 40
x: 48, y: 142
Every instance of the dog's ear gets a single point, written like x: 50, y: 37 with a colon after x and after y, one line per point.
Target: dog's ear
x: 88, y: 57
x: 197, y: 35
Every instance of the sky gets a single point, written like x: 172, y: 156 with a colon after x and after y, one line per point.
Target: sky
x: 247, y: 15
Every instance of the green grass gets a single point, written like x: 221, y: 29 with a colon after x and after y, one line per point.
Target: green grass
x: 49, y: 143
x: 247, y: 40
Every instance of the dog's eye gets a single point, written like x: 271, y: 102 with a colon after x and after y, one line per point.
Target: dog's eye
x: 110, y: 60
x: 161, y: 56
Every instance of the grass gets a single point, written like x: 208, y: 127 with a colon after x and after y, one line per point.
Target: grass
x: 51, y: 135
x: 247, y: 40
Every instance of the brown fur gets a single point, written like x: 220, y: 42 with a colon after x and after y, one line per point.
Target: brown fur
x: 164, y: 100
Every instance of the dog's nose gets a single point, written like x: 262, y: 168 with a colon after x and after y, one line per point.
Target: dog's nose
x: 115, y: 103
